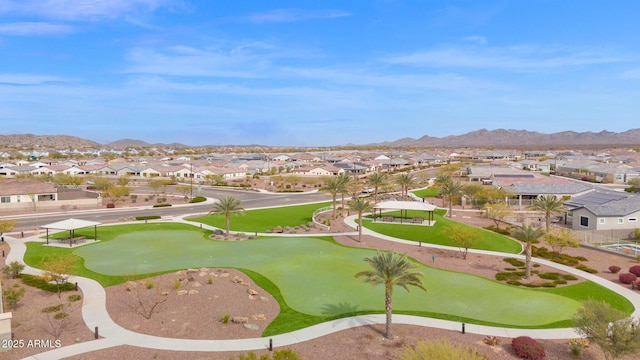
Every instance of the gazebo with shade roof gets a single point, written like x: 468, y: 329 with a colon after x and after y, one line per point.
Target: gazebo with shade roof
x: 404, y: 207
x: 72, y: 225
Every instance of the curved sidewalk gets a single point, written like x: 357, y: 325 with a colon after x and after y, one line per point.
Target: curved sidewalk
x: 95, y: 315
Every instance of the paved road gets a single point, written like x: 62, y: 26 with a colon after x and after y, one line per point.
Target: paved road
x: 249, y: 199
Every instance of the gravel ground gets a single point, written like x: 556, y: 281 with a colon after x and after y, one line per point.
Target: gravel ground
x: 198, y: 315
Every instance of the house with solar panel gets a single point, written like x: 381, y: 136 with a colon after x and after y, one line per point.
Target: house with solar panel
x: 610, y: 212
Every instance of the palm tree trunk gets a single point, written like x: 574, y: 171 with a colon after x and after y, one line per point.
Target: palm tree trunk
x: 450, y: 205
x: 342, y: 206
x: 527, y: 251
x: 388, y: 307
x: 228, y: 224
x: 360, y: 227
x: 334, y: 206
x: 547, y: 219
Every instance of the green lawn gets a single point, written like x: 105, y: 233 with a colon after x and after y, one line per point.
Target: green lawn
x: 426, y: 193
x: 288, y: 266
x: 262, y: 220
x: 438, y: 233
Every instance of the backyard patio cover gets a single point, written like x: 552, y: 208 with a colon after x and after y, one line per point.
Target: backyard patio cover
x: 71, y: 225
x: 405, y: 206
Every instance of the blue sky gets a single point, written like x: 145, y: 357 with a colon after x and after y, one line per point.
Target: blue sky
x: 315, y: 73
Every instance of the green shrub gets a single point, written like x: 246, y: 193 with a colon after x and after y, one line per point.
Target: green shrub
x: 60, y: 315
x: 148, y: 217
x: 13, y: 269
x: 439, y: 349
x: 551, y: 284
x: 587, y: 269
x: 52, y: 309
x: 161, y: 205
x: 74, y: 298
x: 225, y: 317
x: 550, y: 276
x: 509, y: 275
x: 42, y: 284
x: 12, y: 295
x: 569, y: 277
x: 515, y: 262
x: 198, y: 199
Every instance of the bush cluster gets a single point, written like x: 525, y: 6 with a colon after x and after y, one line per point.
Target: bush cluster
x: 161, y: 205
x: 198, y: 199
x: 585, y: 268
x: 515, y: 262
x: 614, y: 269
x: 495, y: 229
x: 528, y: 348
x: 627, y: 278
x: 148, y: 217
x: 42, y: 284
x: 635, y: 270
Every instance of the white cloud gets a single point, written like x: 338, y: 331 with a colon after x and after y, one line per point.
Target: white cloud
x: 292, y: 15
x: 85, y: 9
x: 34, y: 28
x: 31, y: 79
x: 515, y: 58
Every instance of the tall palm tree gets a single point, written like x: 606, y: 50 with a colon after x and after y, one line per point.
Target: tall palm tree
x: 450, y: 190
x: 360, y: 206
x: 549, y: 204
x: 405, y: 180
x: 440, y: 181
x: 391, y: 269
x: 345, y: 180
x: 529, y: 236
x: 227, y: 205
x: 333, y: 187
x: 376, y: 180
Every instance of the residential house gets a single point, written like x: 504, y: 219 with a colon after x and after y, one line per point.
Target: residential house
x: 603, y: 211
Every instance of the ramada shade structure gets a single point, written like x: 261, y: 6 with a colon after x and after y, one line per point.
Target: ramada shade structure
x: 71, y: 225
x: 405, y: 206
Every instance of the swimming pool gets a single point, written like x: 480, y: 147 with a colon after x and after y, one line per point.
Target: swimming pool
x: 626, y: 248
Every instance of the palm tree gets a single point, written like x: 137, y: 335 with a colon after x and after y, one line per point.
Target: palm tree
x: 405, y: 180
x: 333, y: 187
x: 548, y: 204
x: 529, y: 236
x: 450, y: 190
x: 391, y: 269
x: 360, y: 206
x: 227, y: 205
x: 376, y: 180
x: 440, y: 181
x: 345, y: 181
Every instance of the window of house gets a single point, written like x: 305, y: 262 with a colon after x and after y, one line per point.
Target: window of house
x: 584, y: 221
x: 620, y: 220
x: 5, y: 199
x: 600, y: 221
x: 632, y: 219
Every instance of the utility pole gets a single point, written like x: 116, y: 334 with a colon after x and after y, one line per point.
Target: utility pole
x: 191, y: 189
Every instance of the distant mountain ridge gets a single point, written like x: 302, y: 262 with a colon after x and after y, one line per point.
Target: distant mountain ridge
x: 483, y: 138
x: 504, y: 138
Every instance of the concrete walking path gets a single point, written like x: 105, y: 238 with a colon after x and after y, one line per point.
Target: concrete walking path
x: 95, y: 314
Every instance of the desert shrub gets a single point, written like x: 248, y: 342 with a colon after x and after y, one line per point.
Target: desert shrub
x: 148, y: 217
x: 550, y: 276
x: 635, y: 270
x: 74, y: 298
x: 569, y: 277
x: 528, y: 348
x: 509, y: 275
x: 285, y: 354
x: 225, y: 317
x: 52, y: 308
x: 177, y: 284
x: 614, y: 269
x: 514, y: 283
x: 498, y: 230
x: 560, y: 282
x: 586, y: 269
x: 12, y: 295
x: 515, y: 262
x: 42, y: 284
x: 491, y: 340
x: 440, y: 349
x: 149, y: 285
x: 627, y: 278
x: 161, y: 205
x: 13, y: 269
x: 553, y: 284
x: 198, y: 199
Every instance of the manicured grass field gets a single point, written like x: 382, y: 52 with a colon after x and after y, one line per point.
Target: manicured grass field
x: 438, y: 233
x: 426, y: 193
x: 261, y: 220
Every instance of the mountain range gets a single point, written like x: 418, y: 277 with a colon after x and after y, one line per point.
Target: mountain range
x: 499, y: 138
